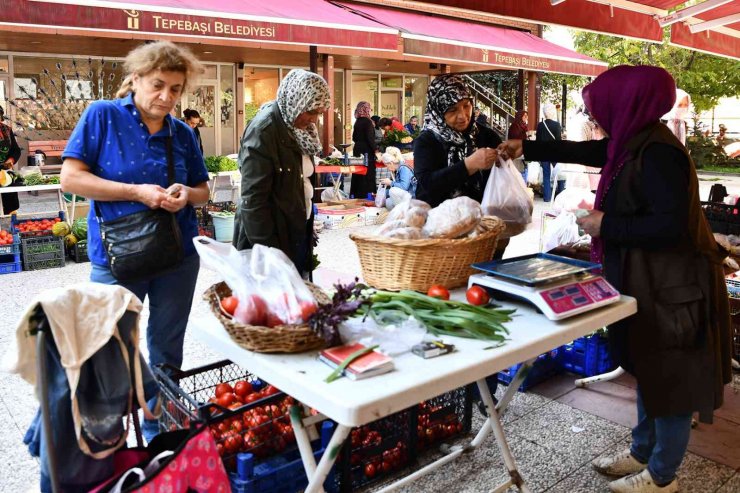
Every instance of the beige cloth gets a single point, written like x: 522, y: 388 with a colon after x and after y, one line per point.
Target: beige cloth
x: 82, y: 320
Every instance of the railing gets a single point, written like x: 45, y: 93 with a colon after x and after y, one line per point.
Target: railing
x: 500, y: 113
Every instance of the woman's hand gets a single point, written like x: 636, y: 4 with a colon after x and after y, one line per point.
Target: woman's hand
x: 8, y: 164
x: 591, y: 224
x: 511, y: 149
x: 150, y: 195
x: 386, y: 181
x: 481, y: 159
x: 176, y: 197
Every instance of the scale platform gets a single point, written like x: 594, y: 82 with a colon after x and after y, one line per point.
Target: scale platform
x: 559, y: 287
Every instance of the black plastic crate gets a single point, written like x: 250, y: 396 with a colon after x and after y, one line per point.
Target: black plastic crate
x: 78, y: 252
x: 722, y: 218
x: 444, y: 417
x: 260, y: 426
x: 377, y: 450
x: 42, y: 252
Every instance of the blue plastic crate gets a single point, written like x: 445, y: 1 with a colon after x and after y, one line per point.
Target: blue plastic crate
x: 545, y: 366
x: 12, y: 249
x: 587, y: 356
x: 11, y: 267
x: 283, y: 473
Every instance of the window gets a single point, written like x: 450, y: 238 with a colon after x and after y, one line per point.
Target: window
x: 78, y: 89
x: 24, y: 88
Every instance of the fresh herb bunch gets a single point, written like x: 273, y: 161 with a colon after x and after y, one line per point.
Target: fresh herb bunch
x: 347, y: 299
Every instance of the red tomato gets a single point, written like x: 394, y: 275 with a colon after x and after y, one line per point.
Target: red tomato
x: 307, y: 309
x: 370, y: 470
x: 476, y: 295
x: 256, y: 310
x: 271, y: 390
x: 242, y: 388
x: 233, y: 444
x: 226, y: 400
x: 223, y: 388
x: 273, y: 320
x: 439, y: 291
x: 229, y: 304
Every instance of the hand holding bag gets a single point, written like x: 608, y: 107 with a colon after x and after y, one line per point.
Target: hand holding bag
x: 144, y: 244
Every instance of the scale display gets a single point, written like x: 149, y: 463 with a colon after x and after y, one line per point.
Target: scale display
x: 558, y: 286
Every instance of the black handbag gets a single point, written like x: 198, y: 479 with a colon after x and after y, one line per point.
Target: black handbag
x: 144, y: 244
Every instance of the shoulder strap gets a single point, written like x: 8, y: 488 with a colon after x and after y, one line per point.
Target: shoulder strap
x: 548, y: 129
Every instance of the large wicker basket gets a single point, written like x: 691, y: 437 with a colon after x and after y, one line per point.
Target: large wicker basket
x: 395, y: 264
x: 280, y: 339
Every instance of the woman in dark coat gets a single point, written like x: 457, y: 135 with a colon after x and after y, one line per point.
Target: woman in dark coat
x: 363, y: 135
x: 650, y: 234
x: 9, y: 155
x: 276, y: 159
x: 452, y: 154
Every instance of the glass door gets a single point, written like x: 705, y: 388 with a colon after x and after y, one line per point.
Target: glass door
x: 4, y: 94
x: 202, y: 98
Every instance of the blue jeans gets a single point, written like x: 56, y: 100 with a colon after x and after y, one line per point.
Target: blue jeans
x: 660, y: 442
x: 547, y: 181
x: 170, y: 299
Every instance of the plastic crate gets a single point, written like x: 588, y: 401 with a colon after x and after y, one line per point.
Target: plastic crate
x: 15, y: 221
x: 722, y: 218
x: 283, y: 473
x: 42, y: 252
x: 10, y: 264
x: 12, y: 249
x: 377, y: 450
x: 444, y: 417
x: 545, y: 366
x: 78, y: 252
x: 587, y: 356
x: 264, y: 428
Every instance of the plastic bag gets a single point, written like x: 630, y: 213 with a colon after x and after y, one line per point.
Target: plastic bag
x: 269, y: 288
x: 534, y: 173
x: 572, y: 199
x: 506, y: 195
x: 380, y: 196
x: 392, y: 340
x: 562, y: 230
x: 333, y: 195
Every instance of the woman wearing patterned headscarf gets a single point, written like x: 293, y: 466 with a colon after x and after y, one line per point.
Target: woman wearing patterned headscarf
x: 363, y: 135
x: 276, y: 159
x: 649, y: 232
x: 452, y: 155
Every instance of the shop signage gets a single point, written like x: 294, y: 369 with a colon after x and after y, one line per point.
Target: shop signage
x: 501, y: 58
x: 32, y: 13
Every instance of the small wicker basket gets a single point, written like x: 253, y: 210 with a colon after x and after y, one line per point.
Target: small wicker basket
x: 279, y: 339
x: 395, y: 264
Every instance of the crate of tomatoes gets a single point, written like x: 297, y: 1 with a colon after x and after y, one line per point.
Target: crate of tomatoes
x: 31, y: 226
x: 444, y: 417
x: 10, y: 252
x: 245, y: 414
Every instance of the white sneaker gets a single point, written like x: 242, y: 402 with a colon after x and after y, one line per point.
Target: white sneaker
x: 642, y: 483
x: 622, y: 464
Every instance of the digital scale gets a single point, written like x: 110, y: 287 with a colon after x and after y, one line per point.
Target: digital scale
x: 559, y: 287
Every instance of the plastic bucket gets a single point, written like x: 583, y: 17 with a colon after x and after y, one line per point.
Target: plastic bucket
x: 224, y: 227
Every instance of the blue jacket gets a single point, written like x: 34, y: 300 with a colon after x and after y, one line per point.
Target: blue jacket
x: 405, y: 179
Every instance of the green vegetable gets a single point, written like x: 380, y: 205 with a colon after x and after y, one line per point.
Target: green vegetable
x: 52, y: 180
x: 440, y: 317
x: 214, y: 164
x: 33, y: 179
x: 339, y: 369
x: 79, y: 228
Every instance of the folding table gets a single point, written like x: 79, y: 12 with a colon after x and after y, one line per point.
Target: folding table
x: 354, y: 403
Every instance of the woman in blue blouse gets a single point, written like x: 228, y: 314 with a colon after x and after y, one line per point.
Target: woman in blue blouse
x: 117, y: 157
x: 403, y: 184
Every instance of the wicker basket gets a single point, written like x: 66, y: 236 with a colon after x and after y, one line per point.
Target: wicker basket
x: 395, y: 264
x: 280, y: 339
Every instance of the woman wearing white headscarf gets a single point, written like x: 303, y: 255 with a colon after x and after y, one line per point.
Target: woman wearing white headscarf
x: 276, y: 159
x: 549, y: 129
x: 679, y: 114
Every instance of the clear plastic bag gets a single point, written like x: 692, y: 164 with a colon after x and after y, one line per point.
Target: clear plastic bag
x: 506, y: 195
x: 562, y: 230
x: 267, y: 285
x: 572, y: 199
x: 380, y: 196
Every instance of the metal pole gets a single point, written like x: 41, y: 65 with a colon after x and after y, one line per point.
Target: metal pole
x: 565, y: 105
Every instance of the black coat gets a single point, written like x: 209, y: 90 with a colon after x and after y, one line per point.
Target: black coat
x: 658, y: 248
x: 10, y: 200
x: 436, y: 181
x: 363, y: 135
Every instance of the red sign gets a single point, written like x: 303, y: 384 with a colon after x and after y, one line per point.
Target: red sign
x: 37, y: 14
x: 499, y: 58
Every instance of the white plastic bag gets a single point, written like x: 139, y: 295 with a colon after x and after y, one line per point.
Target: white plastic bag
x: 534, y: 173
x: 562, y: 230
x: 333, y: 195
x: 267, y: 285
x: 572, y: 199
x: 506, y: 195
x: 380, y: 196
x: 392, y: 340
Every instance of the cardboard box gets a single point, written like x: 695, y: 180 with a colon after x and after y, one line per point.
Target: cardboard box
x: 340, y: 216
x: 375, y: 215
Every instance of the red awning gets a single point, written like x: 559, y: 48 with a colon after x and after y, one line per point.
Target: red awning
x: 445, y: 40
x: 639, y: 19
x: 296, y: 22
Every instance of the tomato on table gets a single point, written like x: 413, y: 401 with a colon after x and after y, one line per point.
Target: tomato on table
x: 478, y: 296
x: 439, y: 291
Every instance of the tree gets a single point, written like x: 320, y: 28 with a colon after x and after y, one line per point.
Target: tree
x: 706, y: 78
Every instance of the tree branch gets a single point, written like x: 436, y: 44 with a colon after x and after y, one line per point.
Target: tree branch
x: 691, y: 60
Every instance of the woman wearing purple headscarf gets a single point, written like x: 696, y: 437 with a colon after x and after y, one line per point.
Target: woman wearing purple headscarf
x: 650, y: 234
x: 363, y: 135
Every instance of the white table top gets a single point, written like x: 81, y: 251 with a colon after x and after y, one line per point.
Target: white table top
x: 32, y: 188
x: 354, y: 403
